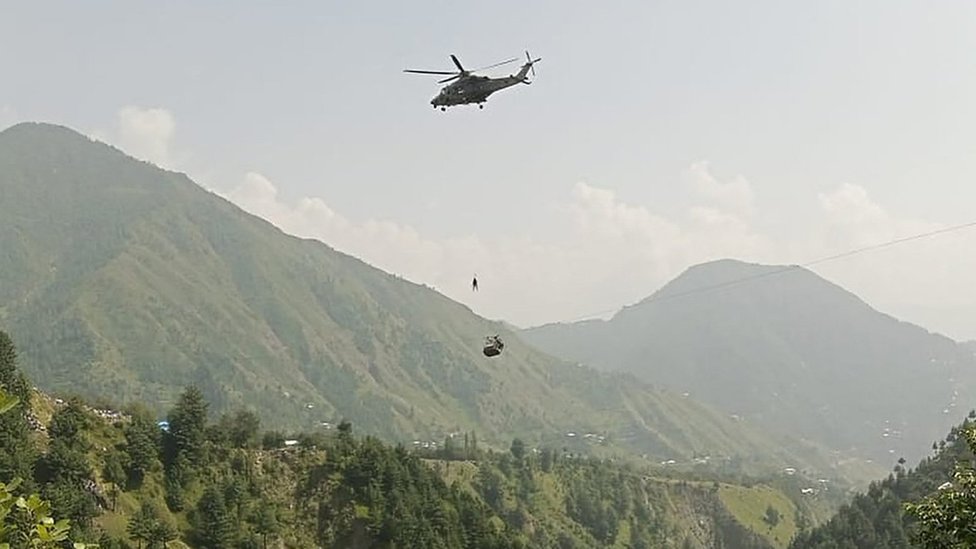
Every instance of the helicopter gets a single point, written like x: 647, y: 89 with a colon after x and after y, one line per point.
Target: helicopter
x: 470, y: 88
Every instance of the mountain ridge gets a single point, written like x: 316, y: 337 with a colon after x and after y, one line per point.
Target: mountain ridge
x: 123, y: 279
x: 790, y: 352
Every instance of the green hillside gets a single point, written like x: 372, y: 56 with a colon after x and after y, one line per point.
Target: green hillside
x: 341, y: 490
x: 877, y: 517
x: 122, y: 280
x: 787, y: 350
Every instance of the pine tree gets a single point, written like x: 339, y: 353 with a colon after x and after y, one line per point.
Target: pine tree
x: 187, y: 426
x: 240, y: 429
x: 141, y: 524
x: 14, y: 383
x: 213, y: 525
x: 235, y: 496
x: 17, y: 455
x: 267, y: 523
x: 114, y: 472
x: 162, y: 532
x: 518, y: 449
x: 67, y: 456
x: 448, y: 447
x: 547, y: 459
x: 66, y: 469
x: 69, y: 422
x: 25, y: 519
x: 174, y: 489
x: 142, y: 440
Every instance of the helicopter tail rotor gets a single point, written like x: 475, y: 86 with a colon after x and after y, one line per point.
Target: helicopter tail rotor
x: 526, y: 67
x: 531, y: 62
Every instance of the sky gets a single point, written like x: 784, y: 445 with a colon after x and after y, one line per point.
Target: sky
x: 655, y: 135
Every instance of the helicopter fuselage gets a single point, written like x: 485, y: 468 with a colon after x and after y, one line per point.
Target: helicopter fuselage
x: 472, y: 89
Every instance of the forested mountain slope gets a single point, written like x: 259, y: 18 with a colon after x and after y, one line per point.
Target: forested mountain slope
x: 785, y: 349
x: 877, y: 519
x: 118, y: 278
x: 122, y: 482
x: 222, y: 481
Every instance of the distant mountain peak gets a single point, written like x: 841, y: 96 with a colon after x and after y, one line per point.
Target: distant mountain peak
x: 46, y: 129
x: 782, y: 346
x: 42, y: 141
x: 732, y: 270
x: 729, y: 263
x: 717, y: 278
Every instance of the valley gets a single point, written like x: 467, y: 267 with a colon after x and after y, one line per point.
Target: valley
x: 685, y: 420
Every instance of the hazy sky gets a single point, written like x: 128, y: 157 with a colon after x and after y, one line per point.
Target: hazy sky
x: 656, y: 135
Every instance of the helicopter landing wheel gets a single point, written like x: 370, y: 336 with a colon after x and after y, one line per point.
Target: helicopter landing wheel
x: 481, y: 106
x: 443, y: 109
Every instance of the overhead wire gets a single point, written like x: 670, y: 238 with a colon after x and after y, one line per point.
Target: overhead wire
x: 788, y: 268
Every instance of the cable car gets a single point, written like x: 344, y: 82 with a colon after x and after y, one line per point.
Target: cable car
x: 493, y: 346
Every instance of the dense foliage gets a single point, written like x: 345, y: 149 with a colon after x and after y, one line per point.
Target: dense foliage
x: 25, y: 519
x: 219, y: 482
x: 15, y: 456
x: 877, y: 518
x: 947, y: 518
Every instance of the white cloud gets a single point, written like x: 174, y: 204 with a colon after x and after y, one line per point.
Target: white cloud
x: 599, y: 211
x: 143, y: 132
x: 614, y: 253
x: 8, y: 116
x: 924, y: 281
x: 384, y: 244
x: 850, y: 204
x: 734, y: 195
x: 853, y: 218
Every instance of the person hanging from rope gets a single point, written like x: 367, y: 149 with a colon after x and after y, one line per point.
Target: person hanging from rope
x: 474, y: 283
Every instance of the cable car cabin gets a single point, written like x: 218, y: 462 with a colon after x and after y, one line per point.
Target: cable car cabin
x: 493, y: 346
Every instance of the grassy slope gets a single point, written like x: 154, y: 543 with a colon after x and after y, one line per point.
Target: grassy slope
x: 683, y: 504
x: 749, y: 505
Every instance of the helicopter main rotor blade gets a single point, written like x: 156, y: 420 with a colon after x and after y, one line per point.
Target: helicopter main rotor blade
x: 428, y: 72
x: 458, y: 63
x: 449, y: 79
x: 512, y: 60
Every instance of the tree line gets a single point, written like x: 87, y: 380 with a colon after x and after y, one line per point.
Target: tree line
x: 222, y: 482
